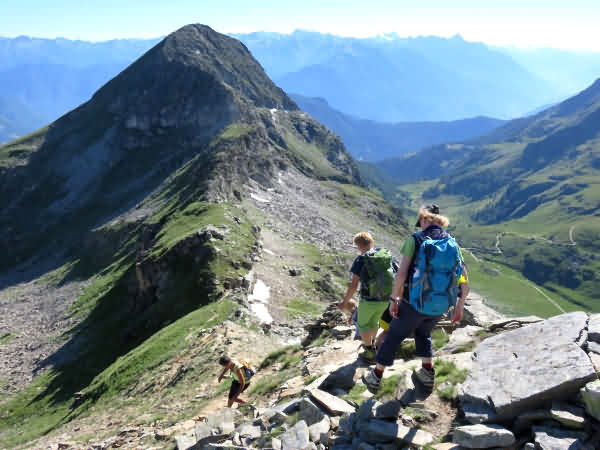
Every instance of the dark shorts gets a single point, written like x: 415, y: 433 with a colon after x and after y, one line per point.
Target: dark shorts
x: 235, y: 388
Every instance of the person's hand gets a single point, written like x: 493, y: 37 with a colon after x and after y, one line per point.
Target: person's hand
x: 343, y: 306
x: 220, y: 377
x: 394, y: 308
x: 458, y: 313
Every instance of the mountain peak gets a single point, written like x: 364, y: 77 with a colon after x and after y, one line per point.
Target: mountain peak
x: 194, y: 65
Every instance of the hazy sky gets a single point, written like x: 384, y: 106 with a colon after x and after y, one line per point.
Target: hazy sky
x: 543, y: 23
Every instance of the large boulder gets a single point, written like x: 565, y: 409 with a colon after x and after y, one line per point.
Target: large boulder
x: 527, y: 368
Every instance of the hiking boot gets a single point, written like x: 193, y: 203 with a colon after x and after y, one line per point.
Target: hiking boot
x: 426, y: 377
x: 371, y: 380
x: 368, y: 354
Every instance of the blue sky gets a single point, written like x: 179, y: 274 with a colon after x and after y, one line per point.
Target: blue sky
x: 538, y: 24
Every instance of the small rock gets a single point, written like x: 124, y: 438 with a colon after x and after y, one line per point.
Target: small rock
x: 248, y: 431
x: 295, y: 272
x: 315, y: 430
x: 387, y: 410
x: 296, y: 437
x: 547, y: 438
x: 569, y: 416
x: 590, y: 394
x: 483, y: 436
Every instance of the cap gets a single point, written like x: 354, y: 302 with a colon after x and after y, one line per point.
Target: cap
x: 433, y: 209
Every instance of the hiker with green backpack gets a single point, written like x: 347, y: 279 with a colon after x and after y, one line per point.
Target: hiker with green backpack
x: 373, y: 271
x: 426, y: 287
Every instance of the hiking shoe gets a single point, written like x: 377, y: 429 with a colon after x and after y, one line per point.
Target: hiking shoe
x: 368, y: 354
x: 426, y: 377
x: 371, y: 380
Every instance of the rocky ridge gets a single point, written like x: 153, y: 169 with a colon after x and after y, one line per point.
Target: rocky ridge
x: 321, y: 415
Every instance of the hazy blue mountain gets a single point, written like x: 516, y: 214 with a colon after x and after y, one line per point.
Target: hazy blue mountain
x: 566, y: 71
x: 372, y: 141
x: 42, y: 79
x: 16, y: 119
x: 395, y: 79
x: 25, y: 50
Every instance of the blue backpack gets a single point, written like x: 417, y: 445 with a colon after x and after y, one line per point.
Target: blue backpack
x: 437, y: 267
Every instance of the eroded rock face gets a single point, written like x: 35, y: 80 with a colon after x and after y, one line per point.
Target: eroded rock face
x: 526, y: 368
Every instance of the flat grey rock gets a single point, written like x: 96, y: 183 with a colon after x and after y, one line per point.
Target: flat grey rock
x: 594, y: 328
x: 310, y: 412
x: 568, y: 415
x: 296, y: 437
x: 248, y: 431
x: 381, y: 431
x: 555, y: 439
x: 525, y: 368
x: 335, y: 406
x: 483, y: 436
x: 590, y: 394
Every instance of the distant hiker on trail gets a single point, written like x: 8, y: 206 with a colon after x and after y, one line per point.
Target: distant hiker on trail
x: 373, y: 271
x: 242, y: 372
x: 431, y: 267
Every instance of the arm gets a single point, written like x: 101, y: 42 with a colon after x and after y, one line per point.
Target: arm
x: 398, y: 289
x: 460, y: 305
x: 352, y: 287
x: 223, y: 373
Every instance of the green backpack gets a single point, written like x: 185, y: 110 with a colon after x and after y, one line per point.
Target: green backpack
x: 377, y: 275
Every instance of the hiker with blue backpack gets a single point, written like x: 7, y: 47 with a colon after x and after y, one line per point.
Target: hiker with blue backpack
x: 373, y: 270
x: 425, y: 288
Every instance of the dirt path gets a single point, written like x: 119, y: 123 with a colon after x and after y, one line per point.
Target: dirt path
x: 573, y: 243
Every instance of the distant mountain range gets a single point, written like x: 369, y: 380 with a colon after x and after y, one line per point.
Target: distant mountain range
x: 394, y: 79
x: 385, y: 79
x: 42, y: 79
x: 370, y: 140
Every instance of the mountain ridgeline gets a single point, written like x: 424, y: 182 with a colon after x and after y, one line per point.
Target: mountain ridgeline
x: 394, y: 79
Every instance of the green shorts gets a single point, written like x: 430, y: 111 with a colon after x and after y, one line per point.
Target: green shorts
x: 369, y: 314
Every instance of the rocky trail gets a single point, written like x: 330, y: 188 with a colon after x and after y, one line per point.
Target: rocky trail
x: 554, y: 405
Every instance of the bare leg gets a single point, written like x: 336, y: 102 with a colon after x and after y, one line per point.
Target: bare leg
x: 368, y: 336
x: 380, y: 339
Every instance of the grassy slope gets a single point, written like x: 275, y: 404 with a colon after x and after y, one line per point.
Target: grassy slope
x: 111, y: 365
